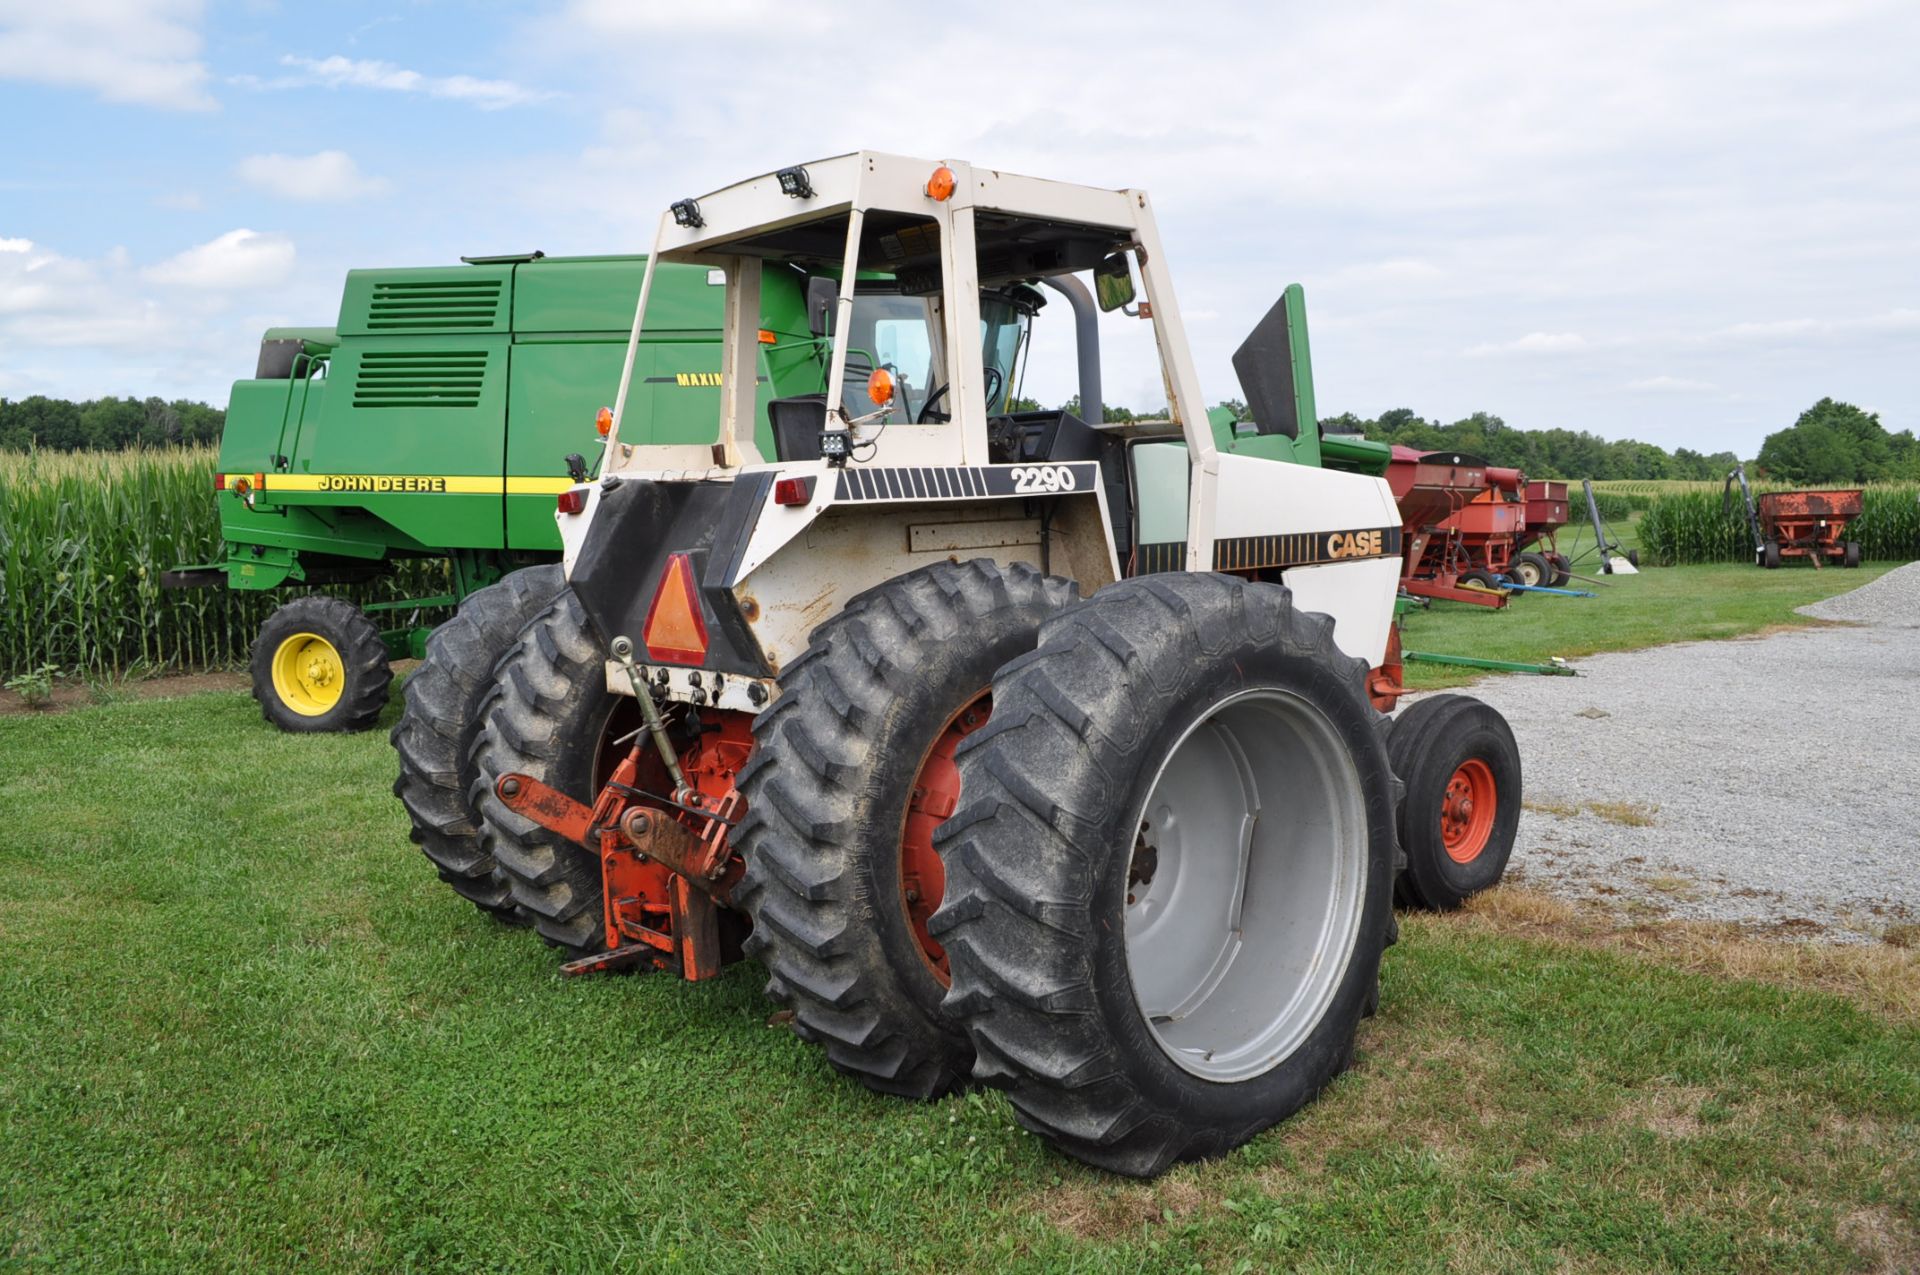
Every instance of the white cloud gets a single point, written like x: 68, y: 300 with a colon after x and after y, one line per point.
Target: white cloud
x: 1670, y: 385
x: 338, y: 72
x: 237, y: 259
x: 16, y: 245
x: 329, y: 176
x: 144, y: 52
x: 1534, y: 343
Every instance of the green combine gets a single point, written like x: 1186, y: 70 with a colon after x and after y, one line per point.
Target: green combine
x: 439, y: 420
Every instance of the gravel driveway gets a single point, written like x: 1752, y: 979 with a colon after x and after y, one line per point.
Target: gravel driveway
x: 1769, y: 780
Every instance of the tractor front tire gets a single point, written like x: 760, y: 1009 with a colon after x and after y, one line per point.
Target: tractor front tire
x: 1151, y: 969
x: 851, y: 770
x: 1461, y: 767
x: 1532, y: 569
x: 546, y: 715
x: 435, y: 734
x: 319, y: 664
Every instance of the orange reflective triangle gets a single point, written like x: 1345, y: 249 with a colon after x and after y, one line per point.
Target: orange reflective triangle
x: 675, y: 633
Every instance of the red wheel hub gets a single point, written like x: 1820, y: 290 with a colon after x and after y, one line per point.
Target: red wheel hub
x: 1467, y: 810
x: 936, y: 793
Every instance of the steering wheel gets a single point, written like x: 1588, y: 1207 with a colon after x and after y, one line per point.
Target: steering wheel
x: 996, y: 381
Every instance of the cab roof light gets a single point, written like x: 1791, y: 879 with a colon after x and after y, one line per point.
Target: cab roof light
x: 795, y: 183
x: 940, y: 185
x: 674, y: 632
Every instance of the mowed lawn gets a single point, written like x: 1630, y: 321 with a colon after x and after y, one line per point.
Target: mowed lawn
x: 1658, y: 605
x: 243, y: 1027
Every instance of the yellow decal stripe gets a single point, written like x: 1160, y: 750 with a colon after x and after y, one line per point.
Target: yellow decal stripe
x: 414, y: 484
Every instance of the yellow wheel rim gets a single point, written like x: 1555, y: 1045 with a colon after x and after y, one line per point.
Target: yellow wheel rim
x: 308, y: 674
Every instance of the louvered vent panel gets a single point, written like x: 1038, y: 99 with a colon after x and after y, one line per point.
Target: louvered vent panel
x: 412, y: 378
x: 433, y: 304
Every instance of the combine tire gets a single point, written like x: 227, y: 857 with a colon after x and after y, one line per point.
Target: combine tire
x: 546, y: 715
x: 1532, y: 569
x: 435, y: 735
x: 1852, y: 554
x: 319, y: 665
x: 1461, y: 768
x: 851, y: 771
x: 1562, y: 570
x: 1152, y: 970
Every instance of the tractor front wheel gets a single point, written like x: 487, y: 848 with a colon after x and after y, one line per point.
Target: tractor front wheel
x: 1457, y: 757
x: 1169, y: 883
x: 852, y: 770
x: 319, y: 665
x: 437, y: 728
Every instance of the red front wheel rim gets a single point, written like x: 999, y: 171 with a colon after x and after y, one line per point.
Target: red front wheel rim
x: 936, y: 793
x: 1467, y: 811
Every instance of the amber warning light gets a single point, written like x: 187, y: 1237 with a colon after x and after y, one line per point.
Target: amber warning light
x: 603, y: 421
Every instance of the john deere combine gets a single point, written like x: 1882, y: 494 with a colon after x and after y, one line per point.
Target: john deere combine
x: 435, y: 421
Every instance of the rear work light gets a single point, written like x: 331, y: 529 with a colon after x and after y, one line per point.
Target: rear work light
x: 793, y: 491
x: 674, y: 632
x: 572, y: 501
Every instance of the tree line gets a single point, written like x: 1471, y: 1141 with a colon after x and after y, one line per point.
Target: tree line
x: 106, y: 424
x: 1831, y: 442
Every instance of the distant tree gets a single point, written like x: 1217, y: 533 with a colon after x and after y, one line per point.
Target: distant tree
x: 1832, y: 442
x: 106, y: 423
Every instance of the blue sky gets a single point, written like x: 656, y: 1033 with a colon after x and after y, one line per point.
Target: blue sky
x: 1683, y: 223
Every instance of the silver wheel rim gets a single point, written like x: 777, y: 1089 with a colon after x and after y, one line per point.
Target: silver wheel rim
x: 1245, y: 884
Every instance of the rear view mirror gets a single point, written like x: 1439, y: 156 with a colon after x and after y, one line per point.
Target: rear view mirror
x: 823, y: 295
x: 1113, y: 282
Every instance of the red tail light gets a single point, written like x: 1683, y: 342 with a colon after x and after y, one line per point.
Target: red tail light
x: 793, y: 491
x: 674, y: 632
x: 219, y: 482
x: 572, y: 501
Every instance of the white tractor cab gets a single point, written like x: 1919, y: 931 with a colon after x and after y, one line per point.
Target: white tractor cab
x: 1020, y: 748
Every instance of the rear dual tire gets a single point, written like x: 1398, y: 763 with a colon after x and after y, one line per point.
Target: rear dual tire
x: 838, y: 879
x: 435, y: 735
x: 1115, y: 1038
x: 546, y: 714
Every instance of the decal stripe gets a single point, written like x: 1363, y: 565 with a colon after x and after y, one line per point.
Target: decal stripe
x: 967, y: 482
x: 415, y: 484
x: 1299, y: 549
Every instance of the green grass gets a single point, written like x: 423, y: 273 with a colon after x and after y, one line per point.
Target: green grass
x: 1661, y: 604
x: 242, y: 1027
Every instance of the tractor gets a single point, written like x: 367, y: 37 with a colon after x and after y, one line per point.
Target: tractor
x: 1019, y: 748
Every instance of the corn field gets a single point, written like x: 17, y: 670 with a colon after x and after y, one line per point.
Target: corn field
x: 84, y: 538
x: 1692, y: 524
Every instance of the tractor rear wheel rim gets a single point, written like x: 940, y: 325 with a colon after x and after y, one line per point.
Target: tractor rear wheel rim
x: 936, y: 792
x: 1467, y: 810
x: 1246, y: 885
x: 308, y: 674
